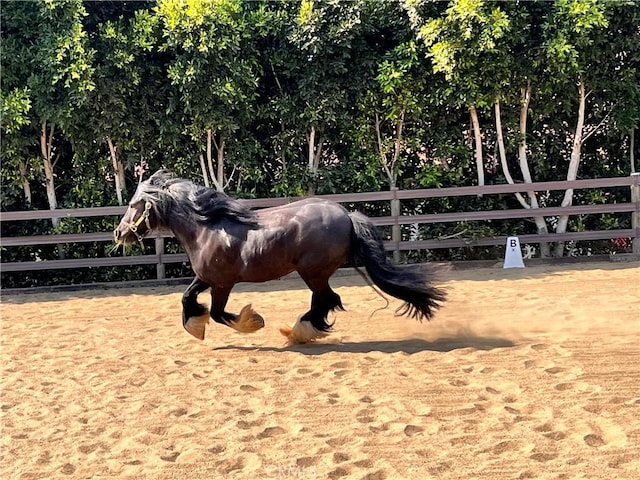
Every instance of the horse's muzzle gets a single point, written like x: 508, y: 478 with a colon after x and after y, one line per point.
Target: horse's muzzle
x: 124, y: 236
x: 119, y: 237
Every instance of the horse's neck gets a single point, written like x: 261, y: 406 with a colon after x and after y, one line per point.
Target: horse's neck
x: 185, y: 232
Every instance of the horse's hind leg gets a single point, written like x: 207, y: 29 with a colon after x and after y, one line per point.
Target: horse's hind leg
x: 195, y: 316
x: 313, y: 324
x: 247, y: 321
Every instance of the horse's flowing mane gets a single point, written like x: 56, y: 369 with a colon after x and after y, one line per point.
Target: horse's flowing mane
x: 170, y: 195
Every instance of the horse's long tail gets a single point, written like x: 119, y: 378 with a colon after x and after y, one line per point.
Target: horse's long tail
x: 410, y: 283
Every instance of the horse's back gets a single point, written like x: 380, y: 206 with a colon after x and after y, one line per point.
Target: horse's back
x: 307, y: 212
x: 314, y: 233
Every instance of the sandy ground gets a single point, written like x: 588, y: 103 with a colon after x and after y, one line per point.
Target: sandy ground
x: 525, y: 373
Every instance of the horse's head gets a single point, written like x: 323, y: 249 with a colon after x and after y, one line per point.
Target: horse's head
x: 141, y: 216
x: 137, y: 222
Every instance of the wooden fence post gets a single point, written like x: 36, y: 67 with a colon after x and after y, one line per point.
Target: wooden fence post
x: 160, y: 267
x: 396, y: 235
x: 635, y: 216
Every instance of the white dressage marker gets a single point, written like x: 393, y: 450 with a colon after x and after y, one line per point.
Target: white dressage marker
x: 513, y: 254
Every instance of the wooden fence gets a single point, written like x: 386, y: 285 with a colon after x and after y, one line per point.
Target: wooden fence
x: 160, y: 258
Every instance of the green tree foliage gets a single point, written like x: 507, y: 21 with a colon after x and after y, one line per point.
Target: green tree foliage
x: 47, y: 65
x: 290, y: 97
x: 212, y: 68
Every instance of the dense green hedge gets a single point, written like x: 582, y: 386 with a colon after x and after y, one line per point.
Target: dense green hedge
x: 382, y: 93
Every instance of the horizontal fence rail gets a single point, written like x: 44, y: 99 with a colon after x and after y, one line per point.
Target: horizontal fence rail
x: 353, y: 197
x: 159, y: 258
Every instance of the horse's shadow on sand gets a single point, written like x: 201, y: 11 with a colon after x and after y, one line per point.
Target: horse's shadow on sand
x: 409, y: 346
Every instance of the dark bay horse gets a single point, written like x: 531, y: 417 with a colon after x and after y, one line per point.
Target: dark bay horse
x: 228, y: 243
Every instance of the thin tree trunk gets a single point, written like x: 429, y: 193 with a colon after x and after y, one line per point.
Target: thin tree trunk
x: 523, y: 160
x: 216, y: 173
x: 396, y: 233
x: 205, y: 175
x: 382, y: 152
x: 121, y: 176
x: 572, y: 171
x: 220, y: 185
x: 117, y: 169
x: 317, y: 155
x: 399, y: 140
x: 46, y: 150
x: 389, y: 168
x: 26, y: 187
x: 212, y: 174
x: 503, y: 154
x: 313, y: 158
x: 478, y: 144
x: 311, y: 139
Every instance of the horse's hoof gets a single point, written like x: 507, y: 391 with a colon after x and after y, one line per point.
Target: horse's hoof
x: 302, y: 332
x: 196, y: 325
x: 248, y: 321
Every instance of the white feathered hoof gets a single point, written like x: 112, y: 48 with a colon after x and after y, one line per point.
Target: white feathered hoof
x: 248, y: 321
x: 196, y: 325
x: 302, y: 332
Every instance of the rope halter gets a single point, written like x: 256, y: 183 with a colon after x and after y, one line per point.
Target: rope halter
x: 133, y: 227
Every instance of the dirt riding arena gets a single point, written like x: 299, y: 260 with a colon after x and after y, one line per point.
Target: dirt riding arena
x: 526, y: 373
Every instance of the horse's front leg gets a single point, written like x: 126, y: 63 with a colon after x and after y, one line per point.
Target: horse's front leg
x: 195, y: 316
x: 247, y: 321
